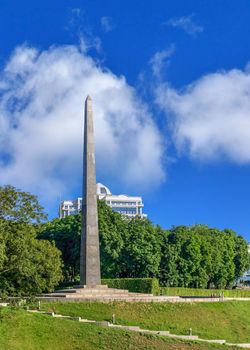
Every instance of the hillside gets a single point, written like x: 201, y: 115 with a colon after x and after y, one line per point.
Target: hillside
x: 225, y: 320
x: 21, y: 330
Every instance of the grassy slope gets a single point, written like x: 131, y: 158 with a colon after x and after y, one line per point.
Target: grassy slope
x: 25, y: 331
x: 227, y: 320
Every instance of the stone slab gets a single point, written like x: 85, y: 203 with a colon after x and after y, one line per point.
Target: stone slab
x: 102, y: 323
x: 218, y: 341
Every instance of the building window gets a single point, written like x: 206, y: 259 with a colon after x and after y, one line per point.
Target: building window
x: 103, y: 190
x: 128, y: 211
x: 122, y: 203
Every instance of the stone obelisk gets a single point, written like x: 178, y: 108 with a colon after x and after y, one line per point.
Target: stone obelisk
x: 90, y: 252
x: 90, y: 287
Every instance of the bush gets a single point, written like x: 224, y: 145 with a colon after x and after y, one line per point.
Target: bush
x: 239, y: 293
x: 28, y: 266
x: 139, y: 285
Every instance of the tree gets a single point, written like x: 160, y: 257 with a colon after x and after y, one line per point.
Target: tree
x: 19, y: 206
x: 195, y: 256
x: 66, y: 234
x: 199, y: 256
x: 141, y: 255
x: 27, y: 265
x: 241, y: 257
x: 128, y: 248
x: 113, y: 230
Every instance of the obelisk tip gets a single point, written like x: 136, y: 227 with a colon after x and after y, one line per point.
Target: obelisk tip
x: 88, y: 98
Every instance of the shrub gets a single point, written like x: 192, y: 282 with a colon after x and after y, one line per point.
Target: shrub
x: 239, y: 293
x: 139, y: 285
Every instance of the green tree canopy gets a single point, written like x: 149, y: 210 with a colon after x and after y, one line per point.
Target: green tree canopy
x: 128, y: 248
x: 27, y: 265
x: 66, y: 234
x: 194, y: 256
x: 200, y: 256
x: 140, y: 256
x: 16, y: 205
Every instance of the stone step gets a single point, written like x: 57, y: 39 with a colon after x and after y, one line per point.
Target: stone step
x: 146, y: 331
x: 83, y: 295
x: 84, y: 291
x: 103, y: 299
x: 149, y: 331
x: 165, y: 333
x: 132, y: 294
x: 132, y: 328
x: 95, y: 295
x: 86, y: 296
x: 92, y: 286
x: 218, y: 341
x: 52, y: 296
x: 98, y: 298
x: 112, y: 298
x: 101, y: 296
x: 187, y: 337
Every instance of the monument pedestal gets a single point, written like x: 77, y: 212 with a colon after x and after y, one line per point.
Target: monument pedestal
x: 95, y: 293
x: 91, y: 286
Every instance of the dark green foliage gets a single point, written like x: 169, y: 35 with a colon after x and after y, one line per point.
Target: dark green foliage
x: 197, y: 256
x: 241, y: 258
x: 134, y: 250
x: 141, y: 253
x: 127, y: 248
x: 66, y: 234
x: 27, y: 265
x: 140, y: 285
x: 19, y: 206
x: 113, y: 231
x: 230, y: 293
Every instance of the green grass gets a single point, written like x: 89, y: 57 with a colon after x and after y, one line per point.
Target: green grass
x: 224, y: 320
x: 21, y: 330
x: 240, y: 293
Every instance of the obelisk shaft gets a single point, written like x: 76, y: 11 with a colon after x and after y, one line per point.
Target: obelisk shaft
x: 90, y: 254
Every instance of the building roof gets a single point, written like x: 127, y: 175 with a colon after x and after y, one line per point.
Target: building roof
x: 102, y: 190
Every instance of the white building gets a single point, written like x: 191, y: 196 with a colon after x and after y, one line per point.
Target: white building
x: 128, y: 206
x: 70, y: 207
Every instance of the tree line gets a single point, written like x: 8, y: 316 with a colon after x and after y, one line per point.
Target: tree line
x: 36, y: 254
x: 196, y: 256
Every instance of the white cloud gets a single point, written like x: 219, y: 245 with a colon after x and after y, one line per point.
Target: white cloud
x: 210, y: 118
x: 160, y: 60
x: 187, y: 24
x: 77, y: 25
x: 107, y: 24
x: 41, y: 121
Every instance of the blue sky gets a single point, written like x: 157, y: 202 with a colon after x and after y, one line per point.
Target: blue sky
x: 171, y: 90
